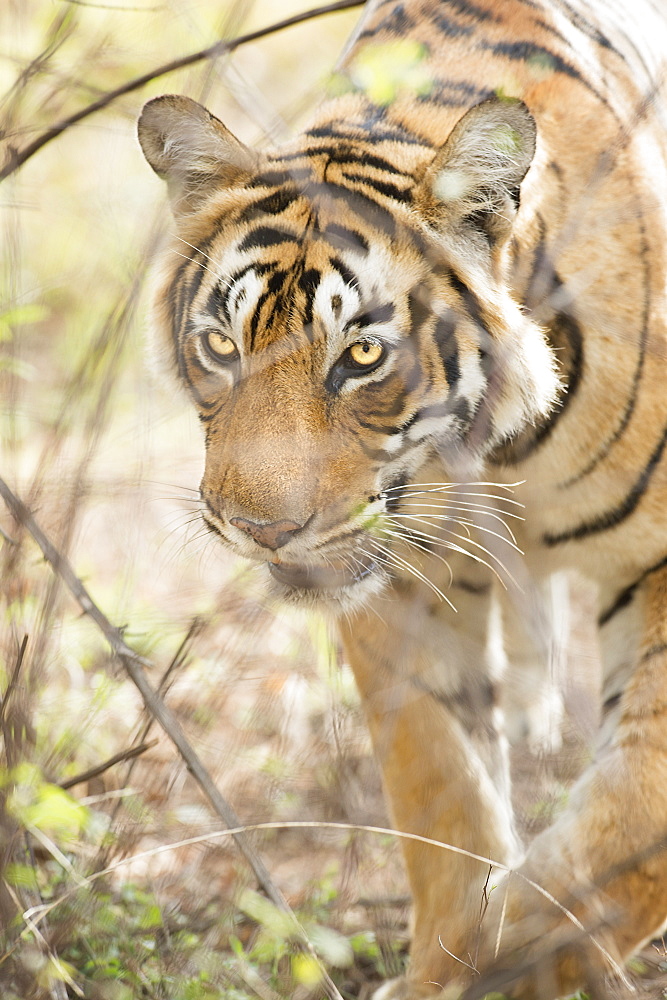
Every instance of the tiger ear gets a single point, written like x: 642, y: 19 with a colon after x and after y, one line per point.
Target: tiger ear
x: 474, y: 178
x: 191, y: 149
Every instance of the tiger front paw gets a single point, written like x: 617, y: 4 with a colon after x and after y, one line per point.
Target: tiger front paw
x: 406, y: 989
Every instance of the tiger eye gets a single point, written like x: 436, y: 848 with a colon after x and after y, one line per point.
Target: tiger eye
x: 366, y: 353
x: 220, y: 345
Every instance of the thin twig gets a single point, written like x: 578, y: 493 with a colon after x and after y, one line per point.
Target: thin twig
x: 16, y: 158
x: 14, y: 678
x: 134, y: 665
x: 7, y: 538
x: 61, y: 969
x: 117, y: 758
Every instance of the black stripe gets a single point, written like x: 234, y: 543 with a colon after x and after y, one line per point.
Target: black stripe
x: 254, y: 319
x: 308, y: 283
x: 207, y: 418
x: 344, y: 156
x: 445, y: 341
x: 273, y: 286
x: 419, y: 311
x: 397, y: 22
x: 657, y: 650
x: 409, y: 422
x: 382, y: 187
x: 611, y: 703
x: 586, y: 27
x: 452, y: 94
x: 471, y: 9
x: 339, y: 130
x: 192, y: 384
x: 381, y: 314
x: 462, y: 410
x: 274, y: 203
x: 375, y: 455
x: 394, y: 410
x: 451, y: 28
x: 265, y: 236
x: 348, y: 276
x: 471, y: 588
x: 374, y: 215
x: 634, y: 389
x: 259, y: 269
x: 387, y: 429
x: 525, y: 51
x: 566, y: 338
x: 543, y: 281
x: 471, y: 303
x: 345, y: 239
x: 175, y: 301
x: 627, y: 595
x: 613, y: 517
x: 279, y: 178
x: 346, y: 153
x: 216, y: 304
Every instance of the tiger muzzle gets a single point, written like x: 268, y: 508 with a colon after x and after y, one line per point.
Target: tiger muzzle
x: 269, y: 536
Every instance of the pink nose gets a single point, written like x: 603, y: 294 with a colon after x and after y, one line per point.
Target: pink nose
x: 269, y: 536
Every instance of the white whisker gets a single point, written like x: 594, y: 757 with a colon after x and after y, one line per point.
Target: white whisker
x: 401, y: 563
x: 191, y: 259
x: 463, y: 504
x: 454, y: 486
x: 460, y: 508
x: 464, y: 523
x: 448, y: 544
x: 461, y: 495
x: 408, y: 539
x: 181, y: 240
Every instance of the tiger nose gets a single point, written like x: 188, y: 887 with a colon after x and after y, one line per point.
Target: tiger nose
x: 269, y: 536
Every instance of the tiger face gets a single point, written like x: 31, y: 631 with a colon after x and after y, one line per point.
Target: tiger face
x: 341, y: 320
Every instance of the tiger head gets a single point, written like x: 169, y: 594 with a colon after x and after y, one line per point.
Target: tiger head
x: 339, y: 312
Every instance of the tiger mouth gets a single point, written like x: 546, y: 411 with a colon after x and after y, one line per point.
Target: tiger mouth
x: 320, y: 577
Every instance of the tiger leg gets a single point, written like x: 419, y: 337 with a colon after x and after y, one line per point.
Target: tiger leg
x: 605, y: 859
x: 530, y: 645
x: 428, y: 697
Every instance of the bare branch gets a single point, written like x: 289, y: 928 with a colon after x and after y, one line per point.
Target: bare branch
x: 134, y: 665
x: 117, y: 758
x: 14, y: 678
x: 16, y: 158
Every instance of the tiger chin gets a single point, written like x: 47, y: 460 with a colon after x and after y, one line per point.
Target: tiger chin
x: 425, y: 342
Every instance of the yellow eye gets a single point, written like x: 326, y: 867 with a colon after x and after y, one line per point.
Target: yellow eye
x: 219, y: 346
x: 366, y: 353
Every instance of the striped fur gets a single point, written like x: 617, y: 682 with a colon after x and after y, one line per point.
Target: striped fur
x: 453, y: 276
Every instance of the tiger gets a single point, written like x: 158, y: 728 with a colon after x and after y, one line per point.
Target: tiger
x: 426, y: 342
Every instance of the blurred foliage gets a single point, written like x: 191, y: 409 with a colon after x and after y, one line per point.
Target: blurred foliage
x: 386, y: 72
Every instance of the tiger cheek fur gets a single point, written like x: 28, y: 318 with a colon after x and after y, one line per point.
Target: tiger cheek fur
x: 412, y: 301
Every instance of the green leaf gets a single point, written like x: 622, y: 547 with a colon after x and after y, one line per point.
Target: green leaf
x: 385, y: 71
x: 306, y: 970
x: 21, y: 876
x: 20, y: 316
x: 263, y: 912
x: 332, y: 946
x: 39, y: 804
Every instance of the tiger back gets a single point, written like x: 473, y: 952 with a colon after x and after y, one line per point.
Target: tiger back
x: 453, y: 277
